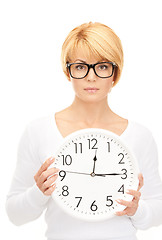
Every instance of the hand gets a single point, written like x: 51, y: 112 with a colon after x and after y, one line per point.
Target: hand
x: 43, y: 177
x: 132, y: 206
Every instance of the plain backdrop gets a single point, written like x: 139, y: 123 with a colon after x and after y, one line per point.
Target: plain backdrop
x: 33, y: 85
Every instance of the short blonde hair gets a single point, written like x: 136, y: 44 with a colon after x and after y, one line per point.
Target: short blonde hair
x: 100, y: 40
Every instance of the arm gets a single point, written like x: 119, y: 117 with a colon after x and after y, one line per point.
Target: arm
x: 146, y: 211
x: 25, y: 202
x: 149, y: 212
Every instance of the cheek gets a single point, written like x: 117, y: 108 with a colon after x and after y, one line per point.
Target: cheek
x: 78, y: 87
x: 106, y: 85
x: 75, y: 84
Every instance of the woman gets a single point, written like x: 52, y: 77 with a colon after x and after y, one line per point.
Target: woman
x: 92, y: 60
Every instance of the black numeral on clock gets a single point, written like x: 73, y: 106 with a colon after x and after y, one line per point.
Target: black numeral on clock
x: 80, y: 198
x: 125, y: 173
x: 77, y: 147
x: 67, y: 160
x: 121, y: 189
x: 108, y: 146
x: 110, y: 201
x: 94, y: 143
x: 93, y: 206
x: 62, y: 174
x: 65, y: 191
x: 122, y: 157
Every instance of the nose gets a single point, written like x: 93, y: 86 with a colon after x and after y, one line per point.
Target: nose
x: 91, y: 75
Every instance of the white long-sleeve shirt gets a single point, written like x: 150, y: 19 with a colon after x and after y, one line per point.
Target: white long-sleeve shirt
x: 25, y: 202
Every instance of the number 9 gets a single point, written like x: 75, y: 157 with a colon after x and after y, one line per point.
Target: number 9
x: 62, y: 174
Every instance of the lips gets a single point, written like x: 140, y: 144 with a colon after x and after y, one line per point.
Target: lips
x: 89, y: 88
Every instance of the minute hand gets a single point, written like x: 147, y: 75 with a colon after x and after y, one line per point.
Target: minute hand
x: 108, y: 174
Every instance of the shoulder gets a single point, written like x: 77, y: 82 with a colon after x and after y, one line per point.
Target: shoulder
x: 32, y: 133
x: 140, y: 131
x: 144, y: 146
x: 37, y: 122
x: 139, y: 138
x: 39, y: 125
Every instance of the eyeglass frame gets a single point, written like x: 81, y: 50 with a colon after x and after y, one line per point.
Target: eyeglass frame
x: 68, y: 65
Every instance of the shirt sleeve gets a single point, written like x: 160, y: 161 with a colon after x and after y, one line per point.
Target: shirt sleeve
x: 25, y: 202
x: 149, y: 212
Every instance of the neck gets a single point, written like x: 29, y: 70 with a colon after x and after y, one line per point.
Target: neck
x: 90, y: 113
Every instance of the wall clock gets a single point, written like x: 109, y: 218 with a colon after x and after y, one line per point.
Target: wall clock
x: 96, y: 168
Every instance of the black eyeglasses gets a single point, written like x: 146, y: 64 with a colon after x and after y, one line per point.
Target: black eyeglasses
x: 81, y: 70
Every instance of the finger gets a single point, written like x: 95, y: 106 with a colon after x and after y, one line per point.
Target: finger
x: 126, y: 203
x: 50, y: 190
x: 49, y: 182
x: 122, y: 213
x: 45, y: 166
x: 46, y: 174
x: 135, y: 194
x: 141, y: 181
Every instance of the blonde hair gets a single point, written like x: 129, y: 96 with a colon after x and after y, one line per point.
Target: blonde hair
x: 99, y: 40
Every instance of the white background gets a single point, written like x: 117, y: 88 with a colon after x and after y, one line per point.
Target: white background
x: 33, y: 85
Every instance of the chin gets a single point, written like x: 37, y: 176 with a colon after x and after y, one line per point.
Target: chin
x: 91, y: 99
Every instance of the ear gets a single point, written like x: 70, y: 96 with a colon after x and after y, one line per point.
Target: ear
x: 111, y: 86
x: 68, y: 77
x: 114, y: 76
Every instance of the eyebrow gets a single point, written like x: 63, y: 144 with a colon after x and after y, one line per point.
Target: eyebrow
x: 80, y: 60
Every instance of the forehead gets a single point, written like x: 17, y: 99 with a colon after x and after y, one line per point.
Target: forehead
x: 85, y: 54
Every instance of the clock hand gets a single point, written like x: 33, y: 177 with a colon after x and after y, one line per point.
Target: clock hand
x: 94, y: 159
x: 78, y: 172
x: 110, y: 174
x: 91, y: 174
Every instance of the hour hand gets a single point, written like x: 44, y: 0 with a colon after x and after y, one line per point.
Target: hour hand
x: 108, y: 174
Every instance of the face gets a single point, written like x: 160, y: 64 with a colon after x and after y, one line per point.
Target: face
x: 103, y: 85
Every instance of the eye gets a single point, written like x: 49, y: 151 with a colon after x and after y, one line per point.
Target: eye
x: 102, y: 67
x: 80, y: 67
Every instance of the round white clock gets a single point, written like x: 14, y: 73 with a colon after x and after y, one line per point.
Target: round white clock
x: 96, y: 168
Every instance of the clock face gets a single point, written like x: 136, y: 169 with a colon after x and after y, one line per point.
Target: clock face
x: 96, y: 168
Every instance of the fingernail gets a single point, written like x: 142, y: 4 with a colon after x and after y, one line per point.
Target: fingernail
x: 51, y: 158
x: 116, y: 213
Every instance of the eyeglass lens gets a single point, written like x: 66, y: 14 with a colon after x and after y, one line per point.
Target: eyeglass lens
x: 102, y: 70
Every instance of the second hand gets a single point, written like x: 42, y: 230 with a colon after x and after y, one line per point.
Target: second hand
x: 91, y: 174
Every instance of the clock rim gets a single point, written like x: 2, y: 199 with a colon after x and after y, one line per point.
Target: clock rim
x: 125, y: 145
